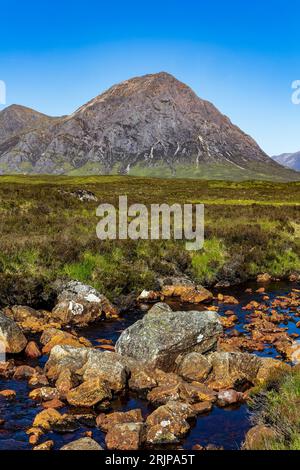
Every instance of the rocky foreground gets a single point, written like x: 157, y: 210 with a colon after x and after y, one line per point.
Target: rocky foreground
x: 183, y: 363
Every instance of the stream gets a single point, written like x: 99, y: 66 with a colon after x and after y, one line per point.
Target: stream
x: 222, y: 427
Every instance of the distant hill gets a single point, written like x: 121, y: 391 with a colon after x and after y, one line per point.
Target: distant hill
x: 289, y: 160
x: 152, y: 125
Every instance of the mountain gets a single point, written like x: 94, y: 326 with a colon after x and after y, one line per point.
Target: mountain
x: 151, y: 125
x: 289, y: 160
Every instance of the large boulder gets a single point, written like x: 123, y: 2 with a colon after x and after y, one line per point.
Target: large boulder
x: 12, y: 340
x: 162, y: 335
x: 80, y: 304
x: 233, y: 370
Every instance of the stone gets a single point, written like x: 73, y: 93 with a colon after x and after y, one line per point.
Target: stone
x: 125, y: 436
x: 85, y: 443
x: 8, y: 394
x: 57, y: 337
x: 46, y: 418
x: 32, y: 351
x: 233, y: 370
x: 89, y: 393
x: 141, y: 380
x: 89, y: 363
x: 194, y: 367
x: 108, y: 421
x: 158, y: 339
x: 80, y: 304
x: 44, y: 394
x: 257, y: 438
x: 270, y: 368
x: 263, y: 278
x: 229, y: 398
x: 202, y: 407
x: 54, y: 403
x: 168, y: 423
x: 164, y: 393
x: 195, y: 392
x: 64, y: 382
x: 24, y: 372
x: 48, y: 445
x: 11, y: 335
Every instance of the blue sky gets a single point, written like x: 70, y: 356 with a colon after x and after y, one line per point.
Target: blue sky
x: 241, y: 55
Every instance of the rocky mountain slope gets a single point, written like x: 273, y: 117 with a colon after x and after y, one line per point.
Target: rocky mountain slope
x: 290, y: 160
x: 150, y: 125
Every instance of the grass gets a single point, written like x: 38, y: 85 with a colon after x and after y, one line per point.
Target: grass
x: 278, y: 407
x: 48, y: 234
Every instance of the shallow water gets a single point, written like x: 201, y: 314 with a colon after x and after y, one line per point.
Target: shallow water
x: 222, y: 427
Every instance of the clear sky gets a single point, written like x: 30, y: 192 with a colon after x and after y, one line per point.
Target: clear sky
x: 241, y: 55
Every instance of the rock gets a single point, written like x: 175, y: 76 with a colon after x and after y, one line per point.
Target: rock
x: 24, y: 372
x: 85, y: 443
x: 187, y: 293
x: 257, y: 438
x: 48, y: 445
x: 107, y: 366
x: 7, y: 369
x: 8, y: 394
x: 294, y: 353
x: 38, y: 380
x: 44, y: 394
x: 148, y: 296
x: 29, y: 319
x: 141, y: 380
x: 107, y: 421
x: 270, y: 368
x: 80, y: 304
x: 54, y: 403
x: 46, y: 418
x: 202, y: 407
x: 89, y: 363
x: 195, y: 392
x: 164, y: 393
x: 64, y: 382
x: 233, y: 370
x: 84, y: 195
x: 263, y: 278
x: 194, y: 367
x: 65, y: 357
x: 32, y: 351
x: 125, y: 436
x: 57, y: 337
x: 229, y: 397
x: 11, y: 335
x: 66, y: 424
x: 89, y: 393
x: 159, y: 338
x: 168, y: 423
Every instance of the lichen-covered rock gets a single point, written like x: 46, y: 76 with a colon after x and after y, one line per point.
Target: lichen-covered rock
x: 46, y: 418
x: 11, y: 337
x: 107, y: 421
x: 125, y: 436
x: 89, y: 393
x: 194, y: 367
x: 80, y: 304
x: 85, y: 443
x: 229, y: 397
x: 258, y: 438
x: 168, y: 423
x: 89, y: 363
x: 159, y: 338
x: 232, y: 370
x: 53, y: 337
